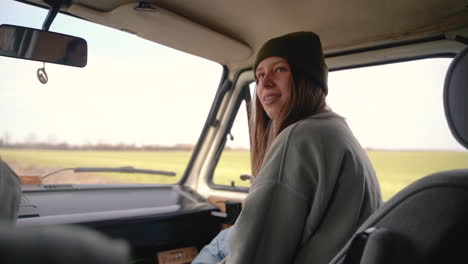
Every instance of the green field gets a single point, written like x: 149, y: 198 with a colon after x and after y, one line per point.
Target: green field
x: 39, y: 162
x: 395, y: 169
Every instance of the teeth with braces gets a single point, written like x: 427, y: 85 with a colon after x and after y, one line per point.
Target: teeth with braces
x: 270, y: 97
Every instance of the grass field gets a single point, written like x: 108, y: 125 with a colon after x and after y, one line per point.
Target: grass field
x: 39, y: 162
x: 395, y: 169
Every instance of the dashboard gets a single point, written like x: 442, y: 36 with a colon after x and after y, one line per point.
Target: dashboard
x: 152, y: 219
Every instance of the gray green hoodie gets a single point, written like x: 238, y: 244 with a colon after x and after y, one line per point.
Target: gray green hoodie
x: 315, y: 187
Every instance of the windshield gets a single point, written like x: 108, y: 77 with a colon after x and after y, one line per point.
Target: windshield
x: 136, y: 104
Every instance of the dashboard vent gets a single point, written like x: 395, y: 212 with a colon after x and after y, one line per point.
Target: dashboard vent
x: 58, y: 187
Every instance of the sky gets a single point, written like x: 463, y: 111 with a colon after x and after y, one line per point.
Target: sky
x: 139, y: 92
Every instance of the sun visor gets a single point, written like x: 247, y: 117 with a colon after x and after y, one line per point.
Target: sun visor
x: 456, y: 97
x: 169, y: 29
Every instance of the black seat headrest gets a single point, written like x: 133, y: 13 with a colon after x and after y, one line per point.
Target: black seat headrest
x: 456, y: 97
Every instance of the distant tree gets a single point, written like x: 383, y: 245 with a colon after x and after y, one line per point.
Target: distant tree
x: 63, y: 146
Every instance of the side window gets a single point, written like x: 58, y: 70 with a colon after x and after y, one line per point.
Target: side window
x: 396, y: 112
x: 235, y: 157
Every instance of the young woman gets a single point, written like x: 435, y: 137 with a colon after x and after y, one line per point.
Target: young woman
x: 314, y: 184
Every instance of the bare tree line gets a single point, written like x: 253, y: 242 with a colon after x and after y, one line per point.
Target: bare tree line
x: 31, y: 142
x: 100, y: 146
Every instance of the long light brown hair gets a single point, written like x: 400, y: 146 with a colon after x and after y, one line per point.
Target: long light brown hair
x: 307, y: 98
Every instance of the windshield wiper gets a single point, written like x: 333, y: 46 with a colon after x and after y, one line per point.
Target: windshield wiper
x: 127, y: 169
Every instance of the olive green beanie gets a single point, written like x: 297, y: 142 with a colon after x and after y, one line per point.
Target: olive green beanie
x: 302, y: 50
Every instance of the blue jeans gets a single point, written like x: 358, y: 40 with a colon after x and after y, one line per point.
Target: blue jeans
x: 216, y: 251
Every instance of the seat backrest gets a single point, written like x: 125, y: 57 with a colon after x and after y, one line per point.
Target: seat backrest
x: 60, y: 245
x: 427, y: 221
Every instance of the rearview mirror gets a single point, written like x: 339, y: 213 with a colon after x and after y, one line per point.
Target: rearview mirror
x: 34, y: 44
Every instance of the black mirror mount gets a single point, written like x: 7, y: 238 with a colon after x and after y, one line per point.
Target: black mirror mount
x: 55, y: 6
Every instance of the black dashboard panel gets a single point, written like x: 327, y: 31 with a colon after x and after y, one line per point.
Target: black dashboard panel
x: 151, y: 218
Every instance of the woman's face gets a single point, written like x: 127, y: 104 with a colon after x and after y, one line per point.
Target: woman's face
x: 274, y: 85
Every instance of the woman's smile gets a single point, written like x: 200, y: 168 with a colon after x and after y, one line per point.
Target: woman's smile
x: 271, y: 98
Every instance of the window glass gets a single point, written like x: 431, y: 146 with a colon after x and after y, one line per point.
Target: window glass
x: 235, y: 158
x: 136, y: 103
x: 396, y: 113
